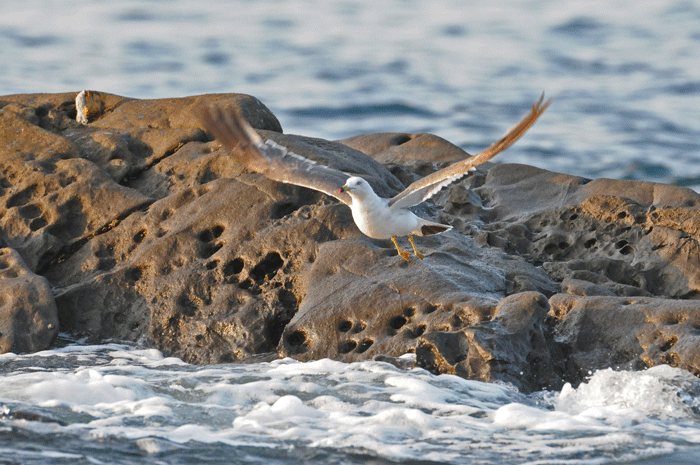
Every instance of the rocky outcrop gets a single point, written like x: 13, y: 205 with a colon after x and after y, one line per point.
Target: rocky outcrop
x: 148, y: 231
x: 28, y: 316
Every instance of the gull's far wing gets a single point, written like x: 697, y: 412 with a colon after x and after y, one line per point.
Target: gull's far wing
x: 268, y: 158
x: 424, y: 188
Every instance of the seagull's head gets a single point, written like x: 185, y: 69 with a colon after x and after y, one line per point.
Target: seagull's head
x: 357, y: 187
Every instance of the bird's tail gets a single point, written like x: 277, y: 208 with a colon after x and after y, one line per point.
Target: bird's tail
x: 429, y: 228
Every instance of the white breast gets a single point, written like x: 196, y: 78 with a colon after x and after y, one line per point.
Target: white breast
x: 375, y: 219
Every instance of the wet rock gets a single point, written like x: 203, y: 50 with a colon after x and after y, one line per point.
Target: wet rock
x: 514, y: 346
x: 28, y: 317
x: 362, y: 302
x: 629, y: 332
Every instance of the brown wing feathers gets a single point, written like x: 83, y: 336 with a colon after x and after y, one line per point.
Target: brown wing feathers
x: 513, y: 133
x: 268, y: 158
x: 462, y: 167
x: 229, y: 127
x: 226, y: 126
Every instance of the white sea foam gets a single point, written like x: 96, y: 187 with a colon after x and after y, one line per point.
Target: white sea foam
x: 163, y: 404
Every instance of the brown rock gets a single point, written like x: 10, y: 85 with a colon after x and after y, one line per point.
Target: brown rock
x: 28, y: 317
x: 148, y: 231
x: 361, y: 302
x: 514, y: 346
x: 634, y: 238
x: 629, y: 332
x: 403, y: 148
x: 208, y: 270
x: 51, y: 198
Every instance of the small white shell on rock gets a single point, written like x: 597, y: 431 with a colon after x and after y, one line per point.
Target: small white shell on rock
x: 88, y: 103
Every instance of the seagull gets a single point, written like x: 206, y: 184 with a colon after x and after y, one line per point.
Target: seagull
x: 376, y: 217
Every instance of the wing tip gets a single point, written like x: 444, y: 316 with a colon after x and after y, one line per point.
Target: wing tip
x: 227, y: 124
x: 539, y: 107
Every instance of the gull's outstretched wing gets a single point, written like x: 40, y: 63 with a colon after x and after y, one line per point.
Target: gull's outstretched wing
x: 268, y: 158
x: 421, y: 190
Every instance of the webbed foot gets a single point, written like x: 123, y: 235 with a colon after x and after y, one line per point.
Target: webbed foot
x: 402, y: 253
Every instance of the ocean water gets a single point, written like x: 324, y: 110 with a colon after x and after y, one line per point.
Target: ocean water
x: 122, y: 404
x: 625, y: 81
x: 623, y: 74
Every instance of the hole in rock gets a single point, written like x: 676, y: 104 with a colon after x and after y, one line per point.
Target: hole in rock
x: 247, y: 284
x: 138, y: 237
x: 550, y: 248
x: 30, y: 211
x: 418, y: 331
x: 37, y: 224
x: 626, y: 250
x: 212, y: 265
x: 227, y: 357
x: 281, y: 210
x: 359, y: 327
x: 397, y: 322
x: 409, y: 312
x: 274, y: 327
x: 621, y: 244
x: 668, y: 343
x: 206, y: 236
x: 187, y: 306
x: 134, y: 274
x: 21, y: 197
x: 287, y: 299
x: 217, y: 230
x: 430, y: 309
x: 344, y: 326
x: 42, y: 111
x: 364, y: 345
x: 589, y: 243
x: 296, y: 338
x: 621, y: 215
x: 267, y: 267
x: 399, y: 139
x: 674, y: 319
x: 234, y: 266
x: 208, y: 250
x: 106, y: 264
x: 347, y: 346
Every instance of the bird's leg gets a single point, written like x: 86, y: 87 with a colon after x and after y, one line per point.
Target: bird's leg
x: 403, y: 253
x: 415, y: 251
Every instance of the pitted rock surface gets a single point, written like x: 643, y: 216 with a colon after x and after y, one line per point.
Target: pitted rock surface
x: 146, y: 230
x: 28, y: 316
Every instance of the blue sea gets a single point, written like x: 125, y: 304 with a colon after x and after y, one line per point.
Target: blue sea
x: 624, y: 77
